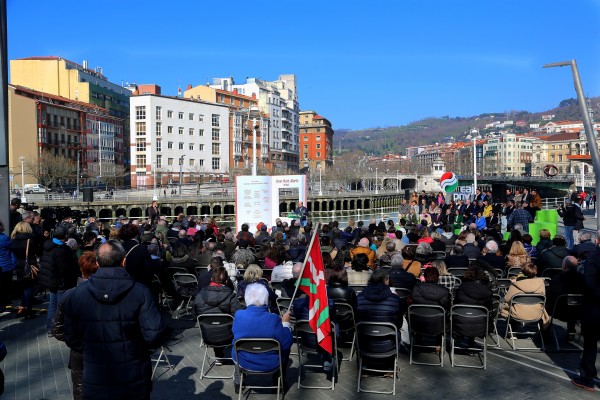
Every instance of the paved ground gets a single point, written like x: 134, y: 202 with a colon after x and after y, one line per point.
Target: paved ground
x: 36, y: 368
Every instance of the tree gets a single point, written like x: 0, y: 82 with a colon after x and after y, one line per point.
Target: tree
x: 49, y: 168
x: 568, y: 102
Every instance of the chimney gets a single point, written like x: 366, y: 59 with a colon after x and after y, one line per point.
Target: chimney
x: 189, y: 86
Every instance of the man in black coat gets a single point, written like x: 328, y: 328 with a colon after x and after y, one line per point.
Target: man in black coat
x: 398, y: 276
x: 590, y: 323
x: 137, y: 258
x: 58, y: 270
x: 585, y: 246
x: 115, y: 322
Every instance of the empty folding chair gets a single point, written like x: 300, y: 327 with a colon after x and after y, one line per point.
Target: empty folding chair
x: 186, y: 286
x: 344, y: 316
x: 377, y: 349
x: 427, y: 320
x: 256, y: 347
x: 534, y: 304
x: 307, y: 347
x: 468, y: 321
x: 215, y: 333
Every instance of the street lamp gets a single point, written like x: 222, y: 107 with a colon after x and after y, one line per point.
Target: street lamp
x: 475, y: 137
x: 78, y: 153
x: 320, y: 187
x: 397, y: 182
x: 154, y: 196
x: 587, y: 122
x: 254, y: 113
x: 23, y: 199
x: 180, y: 172
x: 376, y: 182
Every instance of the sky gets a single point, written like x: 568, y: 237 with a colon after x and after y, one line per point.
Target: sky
x: 359, y: 64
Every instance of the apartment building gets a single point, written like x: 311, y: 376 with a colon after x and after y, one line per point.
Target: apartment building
x: 316, y: 141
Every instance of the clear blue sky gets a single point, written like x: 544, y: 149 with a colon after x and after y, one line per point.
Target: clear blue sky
x: 360, y: 64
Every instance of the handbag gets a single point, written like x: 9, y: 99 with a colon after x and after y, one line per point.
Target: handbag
x: 30, y: 270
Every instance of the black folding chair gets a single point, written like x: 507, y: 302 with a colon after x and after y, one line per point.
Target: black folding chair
x: 186, y: 286
x: 377, y: 347
x: 308, y: 346
x: 258, y: 347
x: 574, y: 308
x: 215, y: 333
x: 427, y: 320
x: 344, y: 316
x: 468, y: 321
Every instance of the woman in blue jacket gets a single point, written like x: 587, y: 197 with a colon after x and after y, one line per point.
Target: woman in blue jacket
x: 7, y: 263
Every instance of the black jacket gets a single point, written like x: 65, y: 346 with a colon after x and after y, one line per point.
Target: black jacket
x: 568, y: 282
x: 432, y: 294
x: 454, y: 261
x: 216, y: 300
x: 551, y: 258
x: 475, y: 294
x: 58, y: 267
x: 399, y: 278
x: 572, y: 216
x: 297, y: 253
x: 581, y: 249
x: 338, y: 292
x: 114, y: 321
x: 138, y: 262
x: 377, y: 303
x: 19, y: 247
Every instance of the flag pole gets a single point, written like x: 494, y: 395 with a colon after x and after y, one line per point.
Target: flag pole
x: 304, y: 263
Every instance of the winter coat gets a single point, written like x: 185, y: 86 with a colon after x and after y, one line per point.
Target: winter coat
x: 114, y: 321
x: 377, y: 303
x: 341, y: 293
x: 431, y: 294
x: 58, y: 266
x: 370, y: 254
x: 572, y: 216
x: 297, y: 253
x: 542, y: 245
x: 524, y: 311
x: 552, y: 258
x: 568, y: 282
x: 258, y: 322
x: 138, y: 262
x: 7, y: 259
x: 399, y: 278
x: 19, y: 249
x: 476, y: 294
x: 216, y: 300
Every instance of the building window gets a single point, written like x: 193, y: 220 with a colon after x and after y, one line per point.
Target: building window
x: 200, y: 147
x: 158, y: 161
x: 215, y: 134
x: 192, y: 162
x: 200, y: 163
x: 180, y: 130
x: 140, y: 161
x: 319, y: 154
x: 191, y: 116
x: 200, y: 132
x: 200, y: 117
x: 170, y: 161
x: 191, y: 146
x: 158, y: 128
x: 560, y: 158
x: 158, y: 113
x: 306, y: 138
x: 191, y: 130
x: 318, y: 145
x: 318, y: 137
x: 216, y: 149
x: 140, y: 112
x: 140, y: 129
x: 159, y: 145
x: 169, y: 145
x: 170, y: 129
x: 140, y: 145
x: 181, y: 145
x: 305, y: 155
x: 169, y: 113
x: 305, y: 147
x: 215, y: 120
x: 180, y: 115
x: 216, y: 163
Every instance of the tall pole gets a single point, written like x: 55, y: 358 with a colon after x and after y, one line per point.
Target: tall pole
x: 397, y: 182
x: 180, y: 172
x: 4, y: 160
x: 99, y: 149
x: 77, y: 192
x: 23, y: 199
x: 582, y: 177
x: 254, y: 146
x: 320, y: 187
x: 587, y: 122
x: 474, y: 165
x: 376, y: 182
x: 154, y: 196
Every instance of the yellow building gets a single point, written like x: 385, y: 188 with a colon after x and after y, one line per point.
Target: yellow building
x: 21, y: 125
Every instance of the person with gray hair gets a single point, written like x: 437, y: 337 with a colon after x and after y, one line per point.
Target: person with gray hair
x: 585, y: 246
x: 399, y: 277
x: 257, y: 322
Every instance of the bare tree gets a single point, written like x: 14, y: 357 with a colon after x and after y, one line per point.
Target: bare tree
x: 50, y: 168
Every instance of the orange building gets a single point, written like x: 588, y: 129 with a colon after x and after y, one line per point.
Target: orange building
x: 316, y: 142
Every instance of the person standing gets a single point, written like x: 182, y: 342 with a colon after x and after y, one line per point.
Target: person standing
x: 58, y: 271
x: 572, y: 220
x: 520, y: 216
x: 152, y: 212
x: 7, y: 266
x: 590, y: 323
x: 114, y: 321
x: 303, y: 212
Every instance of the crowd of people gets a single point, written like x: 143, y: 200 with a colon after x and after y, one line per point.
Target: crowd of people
x: 108, y: 283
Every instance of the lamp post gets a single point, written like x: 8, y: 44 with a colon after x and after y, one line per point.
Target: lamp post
x: 475, y: 137
x: 180, y: 172
x: 154, y: 196
x: 320, y: 187
x: 77, y: 193
x: 587, y: 122
x: 253, y: 113
x: 23, y: 199
x: 376, y: 182
x: 397, y: 182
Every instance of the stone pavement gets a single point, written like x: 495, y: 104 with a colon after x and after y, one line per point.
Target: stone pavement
x: 36, y: 368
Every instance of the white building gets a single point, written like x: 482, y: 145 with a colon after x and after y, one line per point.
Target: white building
x: 278, y: 99
x: 172, y: 134
x: 508, y: 154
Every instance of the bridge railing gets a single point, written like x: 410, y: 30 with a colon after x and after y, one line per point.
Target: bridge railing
x: 553, y: 202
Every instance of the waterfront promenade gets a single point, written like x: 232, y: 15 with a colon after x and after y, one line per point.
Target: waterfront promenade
x: 36, y: 368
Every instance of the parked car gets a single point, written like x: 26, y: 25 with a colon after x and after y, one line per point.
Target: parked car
x: 35, y: 188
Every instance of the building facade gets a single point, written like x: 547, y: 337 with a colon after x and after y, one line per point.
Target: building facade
x: 178, y: 140
x: 508, y: 154
x: 316, y: 141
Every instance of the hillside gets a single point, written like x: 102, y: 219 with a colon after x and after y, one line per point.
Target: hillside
x: 395, y: 139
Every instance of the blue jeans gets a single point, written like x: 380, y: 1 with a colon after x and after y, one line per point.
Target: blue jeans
x: 52, y: 307
x: 569, y: 237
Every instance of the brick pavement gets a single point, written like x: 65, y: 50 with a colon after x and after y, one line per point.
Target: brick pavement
x: 36, y: 368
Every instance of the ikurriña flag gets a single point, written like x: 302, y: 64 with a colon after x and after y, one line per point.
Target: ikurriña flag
x: 312, y: 282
